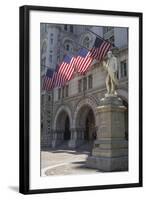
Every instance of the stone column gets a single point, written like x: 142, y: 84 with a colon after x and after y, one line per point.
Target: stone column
x: 76, y: 137
x: 57, y: 138
x: 110, y: 151
x: 72, y: 141
x: 80, y: 136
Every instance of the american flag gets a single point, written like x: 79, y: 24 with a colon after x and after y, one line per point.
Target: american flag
x: 48, y: 80
x: 83, y: 60
x: 55, y: 75
x: 100, y: 48
x: 65, y: 71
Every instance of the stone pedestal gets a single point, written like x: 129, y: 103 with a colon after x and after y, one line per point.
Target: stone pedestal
x: 110, y: 151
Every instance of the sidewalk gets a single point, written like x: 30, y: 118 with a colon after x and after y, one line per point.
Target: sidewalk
x: 64, y: 162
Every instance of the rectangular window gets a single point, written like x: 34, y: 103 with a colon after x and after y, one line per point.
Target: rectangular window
x: 63, y: 92
x: 59, y: 93
x: 51, y: 40
x: 123, y: 69
x: 80, y: 85
x: 65, y: 27
x: 118, y: 75
x: 66, y: 91
x: 90, y: 81
x: 84, y: 83
x: 49, y: 98
x: 71, y: 28
x: 50, y: 58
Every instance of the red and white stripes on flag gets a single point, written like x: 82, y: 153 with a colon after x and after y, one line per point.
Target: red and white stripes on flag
x: 48, y: 80
x: 100, y: 48
x: 65, y: 71
x: 81, y: 63
x: 83, y: 60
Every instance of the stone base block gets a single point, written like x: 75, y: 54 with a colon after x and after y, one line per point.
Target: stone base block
x: 72, y: 144
x: 108, y: 164
x: 56, y: 143
x: 75, y: 143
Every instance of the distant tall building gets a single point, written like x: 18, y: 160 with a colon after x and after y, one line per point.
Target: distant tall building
x: 68, y: 113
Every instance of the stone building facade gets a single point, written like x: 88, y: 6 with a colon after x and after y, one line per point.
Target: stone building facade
x: 68, y: 114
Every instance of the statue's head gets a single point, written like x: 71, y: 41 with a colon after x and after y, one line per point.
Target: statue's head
x: 109, y: 54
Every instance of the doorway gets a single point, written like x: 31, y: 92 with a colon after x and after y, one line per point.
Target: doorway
x: 67, y: 133
x: 90, y: 133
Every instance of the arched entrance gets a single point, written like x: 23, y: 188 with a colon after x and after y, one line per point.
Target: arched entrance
x: 63, y: 125
x: 85, y: 123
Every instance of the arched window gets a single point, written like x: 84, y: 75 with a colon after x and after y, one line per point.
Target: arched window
x: 67, y: 47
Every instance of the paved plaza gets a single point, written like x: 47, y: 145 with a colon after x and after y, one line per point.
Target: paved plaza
x: 64, y: 162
